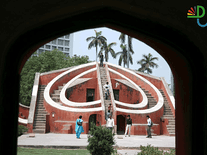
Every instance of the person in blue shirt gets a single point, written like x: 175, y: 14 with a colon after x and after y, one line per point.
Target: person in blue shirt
x: 107, y: 115
x: 149, y: 125
x: 79, y: 128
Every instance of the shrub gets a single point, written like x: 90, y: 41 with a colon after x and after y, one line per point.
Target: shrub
x: 148, y: 150
x: 101, y: 141
x: 22, y: 129
x: 171, y: 152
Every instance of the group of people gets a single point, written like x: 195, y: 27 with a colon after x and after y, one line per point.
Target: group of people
x: 110, y: 125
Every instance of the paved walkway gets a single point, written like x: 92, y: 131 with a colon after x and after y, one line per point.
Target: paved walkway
x: 131, y: 145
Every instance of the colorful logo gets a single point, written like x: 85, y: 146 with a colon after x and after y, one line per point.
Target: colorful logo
x: 195, y: 13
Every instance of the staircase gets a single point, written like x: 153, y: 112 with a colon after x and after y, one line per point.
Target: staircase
x: 56, y: 95
x: 168, y: 115
x: 103, y: 82
x: 39, y: 125
x: 151, y: 103
x: 151, y: 100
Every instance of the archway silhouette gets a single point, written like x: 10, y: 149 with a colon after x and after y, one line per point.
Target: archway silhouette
x: 144, y: 25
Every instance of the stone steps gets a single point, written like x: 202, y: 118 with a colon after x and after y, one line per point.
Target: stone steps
x: 168, y: 115
x: 171, y: 126
x: 39, y: 131
x: 39, y: 127
x: 39, y: 124
x: 40, y: 113
x: 103, y: 78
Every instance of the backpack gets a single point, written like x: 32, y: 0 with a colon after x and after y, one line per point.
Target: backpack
x: 79, y: 123
x: 130, y: 120
x: 151, y: 123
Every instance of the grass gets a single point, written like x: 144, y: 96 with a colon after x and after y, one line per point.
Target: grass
x: 47, y: 151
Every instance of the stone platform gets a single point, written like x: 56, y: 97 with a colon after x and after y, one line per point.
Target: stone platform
x: 129, y: 145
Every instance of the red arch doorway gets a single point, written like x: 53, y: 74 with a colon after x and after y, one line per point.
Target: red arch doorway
x: 121, y: 124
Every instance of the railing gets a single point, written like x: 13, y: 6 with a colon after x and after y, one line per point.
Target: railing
x: 33, y: 100
x: 169, y: 96
x: 100, y: 91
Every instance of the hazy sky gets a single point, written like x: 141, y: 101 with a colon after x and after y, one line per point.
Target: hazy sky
x: 80, y: 47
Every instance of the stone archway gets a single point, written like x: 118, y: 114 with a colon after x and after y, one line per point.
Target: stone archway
x: 168, y: 32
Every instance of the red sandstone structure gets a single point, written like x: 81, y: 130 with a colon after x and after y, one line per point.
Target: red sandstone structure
x: 164, y: 26
x: 60, y: 96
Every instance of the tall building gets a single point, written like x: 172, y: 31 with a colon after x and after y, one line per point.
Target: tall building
x: 172, y: 83
x: 64, y: 44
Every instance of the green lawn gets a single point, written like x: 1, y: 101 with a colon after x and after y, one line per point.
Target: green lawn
x: 45, y: 151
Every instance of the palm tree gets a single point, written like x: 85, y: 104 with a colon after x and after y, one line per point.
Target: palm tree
x: 98, y: 40
x: 122, y: 37
x: 123, y: 56
x: 107, y: 49
x: 147, y: 62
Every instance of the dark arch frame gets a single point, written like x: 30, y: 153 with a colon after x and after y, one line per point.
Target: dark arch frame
x: 185, y: 72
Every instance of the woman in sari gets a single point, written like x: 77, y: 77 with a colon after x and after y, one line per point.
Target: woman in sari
x: 79, y: 128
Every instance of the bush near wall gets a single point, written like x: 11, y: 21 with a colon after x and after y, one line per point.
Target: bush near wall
x: 21, y: 130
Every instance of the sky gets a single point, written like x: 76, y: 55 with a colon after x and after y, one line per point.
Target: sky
x: 80, y: 47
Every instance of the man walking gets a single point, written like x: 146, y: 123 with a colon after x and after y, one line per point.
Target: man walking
x: 149, y: 125
x: 128, y: 126
x: 110, y: 123
x: 106, y: 88
x: 107, y: 115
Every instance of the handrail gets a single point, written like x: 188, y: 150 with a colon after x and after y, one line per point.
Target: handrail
x: 100, y: 89
x: 169, y: 93
x: 33, y: 99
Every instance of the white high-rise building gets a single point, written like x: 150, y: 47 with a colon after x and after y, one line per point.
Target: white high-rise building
x: 64, y: 44
x: 172, y: 83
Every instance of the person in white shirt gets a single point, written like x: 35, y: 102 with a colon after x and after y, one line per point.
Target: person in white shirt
x: 106, y: 89
x: 110, y: 123
x: 149, y: 127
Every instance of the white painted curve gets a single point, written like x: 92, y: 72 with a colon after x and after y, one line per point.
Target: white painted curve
x: 23, y: 121
x: 64, y: 100
x: 49, y: 100
x: 139, y: 105
x: 157, y: 107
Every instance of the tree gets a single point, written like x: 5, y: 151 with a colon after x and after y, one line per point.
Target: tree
x: 98, y: 40
x: 45, y: 62
x: 123, y: 56
x: 146, y: 63
x: 108, y: 48
x: 122, y: 37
